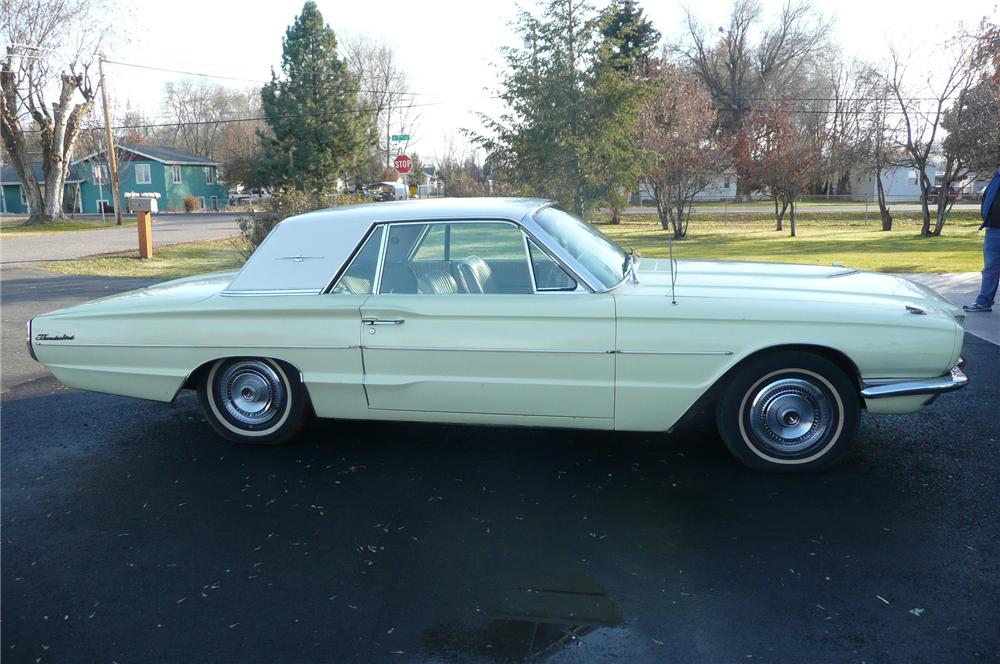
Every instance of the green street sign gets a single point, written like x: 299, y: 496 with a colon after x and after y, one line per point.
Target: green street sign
x: 399, y: 138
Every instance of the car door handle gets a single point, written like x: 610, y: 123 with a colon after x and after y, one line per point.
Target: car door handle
x: 382, y: 321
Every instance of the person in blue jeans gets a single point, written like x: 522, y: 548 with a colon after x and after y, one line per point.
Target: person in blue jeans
x: 991, y: 248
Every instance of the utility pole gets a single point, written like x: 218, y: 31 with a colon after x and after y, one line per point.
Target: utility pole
x: 112, y: 157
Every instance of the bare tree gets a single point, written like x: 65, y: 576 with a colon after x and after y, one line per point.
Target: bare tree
x: 460, y: 171
x: 777, y: 157
x: 677, y: 132
x: 383, y: 89
x: 748, y: 60
x: 922, y: 124
x: 44, y: 36
x: 877, y: 150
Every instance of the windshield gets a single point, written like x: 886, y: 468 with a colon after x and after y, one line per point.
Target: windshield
x: 600, y: 256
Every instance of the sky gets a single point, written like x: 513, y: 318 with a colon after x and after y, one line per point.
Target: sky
x: 450, y: 48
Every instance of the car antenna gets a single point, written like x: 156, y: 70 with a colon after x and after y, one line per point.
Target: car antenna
x: 673, y: 272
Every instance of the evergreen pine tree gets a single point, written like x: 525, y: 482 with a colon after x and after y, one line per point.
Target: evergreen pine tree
x: 317, y: 132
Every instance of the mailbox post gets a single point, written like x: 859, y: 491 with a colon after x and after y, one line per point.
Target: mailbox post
x: 144, y: 205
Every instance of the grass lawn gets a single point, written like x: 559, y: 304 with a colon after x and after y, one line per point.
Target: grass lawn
x: 170, y: 262
x: 16, y: 226
x: 822, y: 239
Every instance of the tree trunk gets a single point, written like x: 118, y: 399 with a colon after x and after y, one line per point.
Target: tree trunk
x: 779, y: 216
x: 616, y: 216
x: 943, y: 206
x: 680, y: 227
x: 663, y: 210
x: 925, y: 189
x: 882, y: 207
x: 791, y: 217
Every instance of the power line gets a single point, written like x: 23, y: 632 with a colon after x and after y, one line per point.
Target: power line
x: 191, y: 123
x: 246, y: 80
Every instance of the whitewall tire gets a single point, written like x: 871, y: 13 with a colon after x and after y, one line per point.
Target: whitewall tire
x: 253, y: 400
x: 789, y: 412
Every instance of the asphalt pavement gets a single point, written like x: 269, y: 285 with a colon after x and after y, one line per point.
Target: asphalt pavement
x: 167, y: 229
x: 131, y: 533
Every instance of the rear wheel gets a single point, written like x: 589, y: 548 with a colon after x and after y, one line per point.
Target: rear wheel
x: 789, y: 412
x: 253, y: 400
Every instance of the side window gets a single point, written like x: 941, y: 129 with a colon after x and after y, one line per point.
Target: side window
x: 549, y: 276
x: 475, y: 258
x: 359, y: 278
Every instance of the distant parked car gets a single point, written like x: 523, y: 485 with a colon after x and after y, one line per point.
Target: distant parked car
x: 935, y: 193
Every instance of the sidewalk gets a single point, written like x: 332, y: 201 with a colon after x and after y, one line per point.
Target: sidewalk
x: 962, y: 288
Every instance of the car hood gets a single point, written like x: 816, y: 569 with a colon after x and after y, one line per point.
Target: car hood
x: 174, y: 294
x: 785, y: 281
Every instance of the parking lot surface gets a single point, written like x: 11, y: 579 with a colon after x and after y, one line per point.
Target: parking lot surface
x: 131, y: 533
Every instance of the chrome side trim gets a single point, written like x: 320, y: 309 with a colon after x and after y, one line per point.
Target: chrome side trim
x: 885, y: 388
x: 269, y: 293
x: 674, y: 352
x: 549, y: 350
x: 234, y: 347
x: 446, y: 349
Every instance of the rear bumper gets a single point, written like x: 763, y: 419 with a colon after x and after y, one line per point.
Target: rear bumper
x: 906, y: 387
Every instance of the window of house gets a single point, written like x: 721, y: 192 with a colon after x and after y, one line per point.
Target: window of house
x: 142, y: 174
x: 912, y: 177
x: 215, y: 202
x: 100, y: 173
x: 725, y: 183
x: 176, y: 169
x: 209, y: 174
x: 201, y: 202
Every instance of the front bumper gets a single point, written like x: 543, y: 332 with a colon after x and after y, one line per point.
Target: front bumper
x: 907, y: 387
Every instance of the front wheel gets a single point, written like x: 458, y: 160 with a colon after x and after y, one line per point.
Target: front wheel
x: 789, y: 412
x: 253, y: 400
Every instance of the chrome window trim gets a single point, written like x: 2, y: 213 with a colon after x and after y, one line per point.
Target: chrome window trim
x: 377, y: 290
x: 531, y: 263
x: 576, y: 282
x: 350, y: 261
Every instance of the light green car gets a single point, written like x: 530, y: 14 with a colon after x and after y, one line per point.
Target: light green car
x: 511, y: 312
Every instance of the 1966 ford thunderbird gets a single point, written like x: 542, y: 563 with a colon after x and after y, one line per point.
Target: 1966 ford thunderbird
x: 511, y: 312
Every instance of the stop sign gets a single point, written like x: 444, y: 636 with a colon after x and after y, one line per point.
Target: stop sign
x: 403, y: 164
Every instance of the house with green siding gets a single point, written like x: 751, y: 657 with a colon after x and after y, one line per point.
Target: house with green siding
x: 171, y: 172
x: 14, y: 201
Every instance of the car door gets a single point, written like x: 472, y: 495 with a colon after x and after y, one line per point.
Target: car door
x: 459, y: 324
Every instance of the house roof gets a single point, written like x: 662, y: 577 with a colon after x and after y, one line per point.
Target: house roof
x: 9, y: 176
x: 160, y: 153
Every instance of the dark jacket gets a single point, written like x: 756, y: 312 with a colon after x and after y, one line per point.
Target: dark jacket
x: 990, y: 209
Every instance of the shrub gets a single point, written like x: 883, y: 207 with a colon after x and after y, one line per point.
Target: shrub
x: 191, y: 204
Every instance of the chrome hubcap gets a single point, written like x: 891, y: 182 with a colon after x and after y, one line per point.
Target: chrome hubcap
x: 790, y: 415
x: 252, y: 392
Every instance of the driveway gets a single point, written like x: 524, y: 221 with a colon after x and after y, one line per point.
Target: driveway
x: 131, y: 533
x: 167, y: 229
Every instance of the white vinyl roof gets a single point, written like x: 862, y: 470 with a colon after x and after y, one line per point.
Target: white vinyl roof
x: 303, y: 254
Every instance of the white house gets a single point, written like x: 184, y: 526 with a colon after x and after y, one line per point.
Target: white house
x: 900, y: 184
x: 722, y: 187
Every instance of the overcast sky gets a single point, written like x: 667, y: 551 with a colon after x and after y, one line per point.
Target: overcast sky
x: 450, y: 47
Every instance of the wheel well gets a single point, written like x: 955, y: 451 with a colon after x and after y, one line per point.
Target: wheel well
x: 708, y: 399
x: 191, y: 382
x: 845, y: 363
